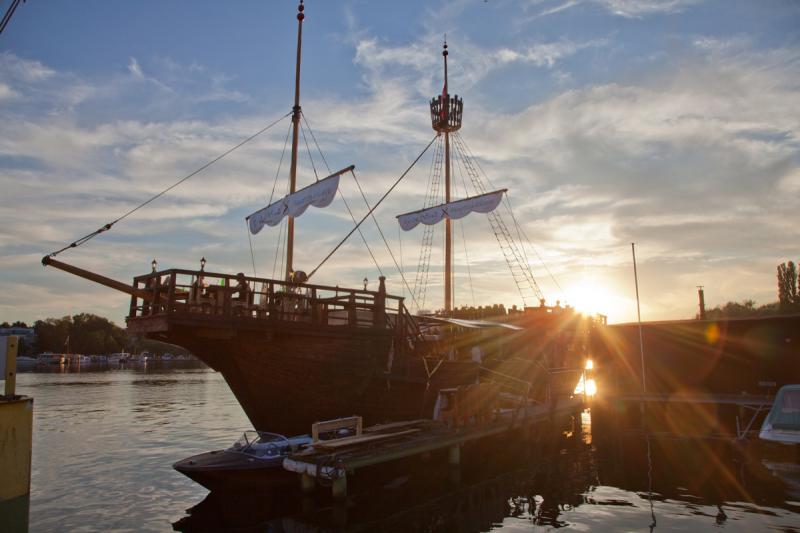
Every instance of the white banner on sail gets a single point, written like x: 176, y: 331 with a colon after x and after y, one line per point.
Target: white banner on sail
x: 485, y: 203
x: 319, y: 194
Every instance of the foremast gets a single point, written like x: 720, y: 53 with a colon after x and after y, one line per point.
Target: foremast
x: 296, y: 111
x: 446, y: 113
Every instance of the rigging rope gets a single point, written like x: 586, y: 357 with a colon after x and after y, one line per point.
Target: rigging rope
x: 359, y: 229
x: 519, y: 226
x: 303, y: 115
x: 108, y: 226
x: 464, y: 239
x: 521, y: 229
x: 400, y: 270
x: 341, y: 194
x: 280, y: 164
x: 322, y: 155
x: 426, y: 244
x: 252, y: 254
x: 269, y: 202
x: 396, y: 183
x: 515, y: 259
x: 305, y: 141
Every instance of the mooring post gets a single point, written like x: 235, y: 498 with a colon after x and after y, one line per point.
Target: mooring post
x: 307, y: 482
x: 339, y: 487
x: 454, y: 455
x: 16, y: 438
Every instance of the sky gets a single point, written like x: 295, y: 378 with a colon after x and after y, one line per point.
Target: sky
x: 674, y: 124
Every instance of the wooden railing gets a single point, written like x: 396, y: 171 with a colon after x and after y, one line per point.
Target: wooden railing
x: 178, y: 291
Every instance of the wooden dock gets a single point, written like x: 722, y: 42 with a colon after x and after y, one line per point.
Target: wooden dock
x: 330, y: 462
x: 744, y: 410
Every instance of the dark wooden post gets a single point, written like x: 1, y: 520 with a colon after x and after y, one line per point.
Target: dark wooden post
x: 271, y: 301
x: 379, y: 309
x: 132, y: 311
x: 351, y: 310
x: 313, y: 304
x: 173, y: 279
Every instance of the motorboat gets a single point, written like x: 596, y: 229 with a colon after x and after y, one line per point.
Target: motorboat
x: 23, y: 361
x: 51, y: 359
x: 119, y: 358
x: 143, y: 358
x: 782, y: 424
x: 254, y: 461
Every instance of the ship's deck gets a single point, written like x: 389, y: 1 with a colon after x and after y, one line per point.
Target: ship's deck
x: 213, y: 300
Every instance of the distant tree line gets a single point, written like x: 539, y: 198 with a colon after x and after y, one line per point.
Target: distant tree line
x: 788, y: 298
x: 16, y: 324
x: 87, y: 333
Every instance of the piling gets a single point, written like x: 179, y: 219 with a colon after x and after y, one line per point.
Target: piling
x: 16, y: 439
x: 454, y: 455
x: 307, y: 483
x: 339, y: 487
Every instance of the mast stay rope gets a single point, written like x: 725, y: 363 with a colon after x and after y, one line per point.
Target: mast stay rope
x: 366, y: 202
x: 519, y: 227
x: 385, y: 195
x: 108, y: 226
x: 515, y: 257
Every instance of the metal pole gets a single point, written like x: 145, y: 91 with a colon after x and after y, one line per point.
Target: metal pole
x: 295, y: 128
x: 448, y: 228
x: 639, y: 315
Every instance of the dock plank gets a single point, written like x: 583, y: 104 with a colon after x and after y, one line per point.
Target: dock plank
x: 360, y: 439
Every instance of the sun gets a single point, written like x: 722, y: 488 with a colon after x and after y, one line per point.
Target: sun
x: 590, y: 298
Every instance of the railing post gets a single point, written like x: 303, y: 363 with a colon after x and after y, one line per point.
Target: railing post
x: 155, y: 302
x: 351, y: 310
x: 379, y: 307
x: 226, y: 298
x: 271, y: 301
x: 132, y: 310
x: 173, y: 279
x: 313, y: 304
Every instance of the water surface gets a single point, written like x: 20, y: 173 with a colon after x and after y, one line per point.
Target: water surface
x: 105, y: 440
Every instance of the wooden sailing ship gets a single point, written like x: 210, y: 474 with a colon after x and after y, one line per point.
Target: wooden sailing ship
x: 294, y: 352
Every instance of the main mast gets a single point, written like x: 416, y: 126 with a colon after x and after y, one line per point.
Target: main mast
x: 295, y: 130
x: 446, y: 115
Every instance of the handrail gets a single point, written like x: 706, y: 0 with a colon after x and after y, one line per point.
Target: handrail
x: 220, y: 275
x: 199, y: 292
x: 521, y: 383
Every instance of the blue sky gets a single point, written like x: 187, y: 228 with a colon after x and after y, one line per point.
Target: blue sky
x: 673, y: 123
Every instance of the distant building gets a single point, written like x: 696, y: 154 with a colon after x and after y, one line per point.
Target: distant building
x: 28, y: 335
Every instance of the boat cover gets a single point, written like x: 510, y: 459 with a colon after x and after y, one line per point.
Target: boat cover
x: 484, y: 203
x: 319, y: 194
x: 473, y: 323
x: 785, y: 412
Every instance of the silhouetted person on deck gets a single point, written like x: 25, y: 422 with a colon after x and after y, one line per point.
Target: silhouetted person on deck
x: 242, y: 288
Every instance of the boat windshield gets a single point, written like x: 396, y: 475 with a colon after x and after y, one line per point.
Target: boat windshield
x: 785, y: 413
x: 261, y: 444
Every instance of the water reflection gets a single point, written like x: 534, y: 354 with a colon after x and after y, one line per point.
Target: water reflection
x: 575, y: 478
x: 105, y: 440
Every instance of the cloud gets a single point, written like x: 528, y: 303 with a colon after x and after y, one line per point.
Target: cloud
x: 25, y: 70
x: 694, y: 158
x: 641, y: 8
x: 621, y: 8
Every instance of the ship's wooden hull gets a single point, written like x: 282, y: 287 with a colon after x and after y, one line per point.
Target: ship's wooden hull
x: 288, y: 376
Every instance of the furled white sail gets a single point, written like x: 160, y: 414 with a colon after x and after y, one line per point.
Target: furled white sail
x: 319, y: 194
x: 484, y: 203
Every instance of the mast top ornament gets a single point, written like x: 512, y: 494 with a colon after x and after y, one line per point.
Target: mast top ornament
x: 446, y: 111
